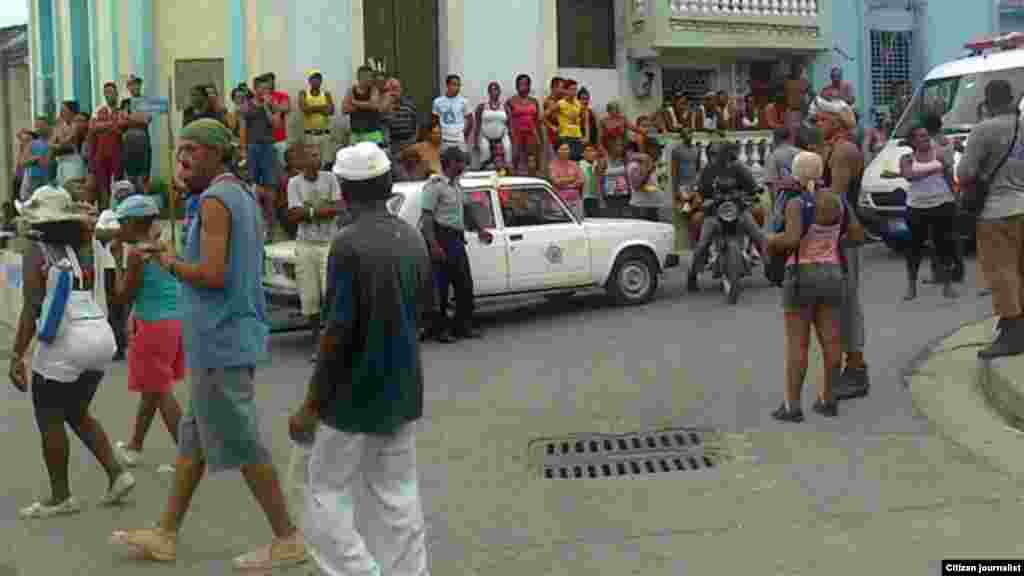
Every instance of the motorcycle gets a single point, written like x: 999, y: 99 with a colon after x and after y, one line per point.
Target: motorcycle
x: 732, y: 256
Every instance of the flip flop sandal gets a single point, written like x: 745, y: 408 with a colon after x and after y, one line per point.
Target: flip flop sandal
x: 279, y: 554
x: 148, y: 543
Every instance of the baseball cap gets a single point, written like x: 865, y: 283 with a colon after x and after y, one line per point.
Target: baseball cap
x: 132, y: 79
x: 314, y: 72
x: 364, y: 161
x: 137, y: 206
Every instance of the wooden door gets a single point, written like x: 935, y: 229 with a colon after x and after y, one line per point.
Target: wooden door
x: 403, y: 34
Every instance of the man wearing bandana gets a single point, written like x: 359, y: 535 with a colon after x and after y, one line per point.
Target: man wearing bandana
x: 225, y: 332
x: 844, y: 167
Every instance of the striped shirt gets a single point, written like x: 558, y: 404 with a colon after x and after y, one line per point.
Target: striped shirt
x: 402, y: 122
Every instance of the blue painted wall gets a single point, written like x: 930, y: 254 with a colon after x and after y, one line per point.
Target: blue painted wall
x: 950, y: 25
x: 849, y: 40
x: 58, y: 55
x: 94, y: 49
x: 145, y: 64
x: 81, y: 47
x: 945, y: 24
x: 45, y: 87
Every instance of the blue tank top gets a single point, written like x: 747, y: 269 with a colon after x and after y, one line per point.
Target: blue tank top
x: 157, y: 298
x: 227, y: 327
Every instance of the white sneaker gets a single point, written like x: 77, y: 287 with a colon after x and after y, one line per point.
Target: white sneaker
x: 41, y: 510
x: 127, y: 456
x: 124, y: 484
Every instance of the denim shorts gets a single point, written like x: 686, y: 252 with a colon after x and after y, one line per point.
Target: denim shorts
x: 221, y: 423
x: 816, y: 285
x: 261, y: 164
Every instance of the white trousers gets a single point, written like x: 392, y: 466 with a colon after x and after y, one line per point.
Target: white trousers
x: 386, y: 465
x: 311, y: 275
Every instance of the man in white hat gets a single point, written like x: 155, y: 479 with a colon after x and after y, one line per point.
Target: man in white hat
x: 367, y: 389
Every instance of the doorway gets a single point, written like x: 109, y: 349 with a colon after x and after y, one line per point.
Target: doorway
x: 403, y: 35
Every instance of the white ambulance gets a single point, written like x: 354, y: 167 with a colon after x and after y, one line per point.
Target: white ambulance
x: 956, y: 92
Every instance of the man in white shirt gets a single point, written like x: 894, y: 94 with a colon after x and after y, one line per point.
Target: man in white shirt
x: 314, y: 198
x: 452, y: 111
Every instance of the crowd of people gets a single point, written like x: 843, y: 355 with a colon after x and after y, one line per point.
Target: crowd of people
x: 376, y: 286
x: 521, y: 134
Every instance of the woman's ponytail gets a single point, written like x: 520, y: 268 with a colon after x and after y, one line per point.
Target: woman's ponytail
x: 807, y: 168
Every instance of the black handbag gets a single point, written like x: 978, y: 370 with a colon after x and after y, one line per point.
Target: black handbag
x: 973, y: 204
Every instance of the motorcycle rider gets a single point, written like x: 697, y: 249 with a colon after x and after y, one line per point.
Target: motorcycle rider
x: 724, y: 174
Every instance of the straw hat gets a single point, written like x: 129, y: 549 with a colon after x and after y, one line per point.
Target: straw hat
x: 50, y: 204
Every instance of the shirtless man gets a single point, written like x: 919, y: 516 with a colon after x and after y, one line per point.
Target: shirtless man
x: 843, y: 171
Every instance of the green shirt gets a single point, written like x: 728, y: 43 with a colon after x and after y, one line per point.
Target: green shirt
x: 589, y: 181
x: 446, y: 200
x: 379, y: 289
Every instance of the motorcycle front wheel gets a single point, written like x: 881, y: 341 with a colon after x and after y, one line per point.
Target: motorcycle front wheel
x: 732, y: 272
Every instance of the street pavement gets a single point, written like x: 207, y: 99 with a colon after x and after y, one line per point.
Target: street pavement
x: 880, y: 489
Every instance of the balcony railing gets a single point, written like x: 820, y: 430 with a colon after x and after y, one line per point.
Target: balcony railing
x: 797, y: 8
x: 754, y: 147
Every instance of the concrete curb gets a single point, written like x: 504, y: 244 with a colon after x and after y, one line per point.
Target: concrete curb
x: 952, y: 390
x: 931, y: 348
x: 1003, y: 393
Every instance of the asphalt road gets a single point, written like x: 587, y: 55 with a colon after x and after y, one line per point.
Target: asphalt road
x: 542, y: 369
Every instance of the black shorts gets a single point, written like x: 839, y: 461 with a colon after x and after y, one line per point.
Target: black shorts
x: 55, y: 401
x: 136, y: 157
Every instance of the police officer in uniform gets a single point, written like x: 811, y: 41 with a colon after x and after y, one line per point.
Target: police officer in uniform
x: 444, y: 223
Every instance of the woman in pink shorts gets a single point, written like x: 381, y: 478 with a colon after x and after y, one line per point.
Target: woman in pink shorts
x: 156, y: 354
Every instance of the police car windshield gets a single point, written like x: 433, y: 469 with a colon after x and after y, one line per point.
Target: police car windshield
x: 958, y: 100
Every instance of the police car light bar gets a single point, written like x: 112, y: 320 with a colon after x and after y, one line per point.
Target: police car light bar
x: 1010, y: 41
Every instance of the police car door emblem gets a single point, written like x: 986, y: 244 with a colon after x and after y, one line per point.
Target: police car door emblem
x: 553, y: 254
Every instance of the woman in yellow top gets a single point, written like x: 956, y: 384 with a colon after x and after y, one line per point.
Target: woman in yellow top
x: 317, y: 109
x: 569, y: 114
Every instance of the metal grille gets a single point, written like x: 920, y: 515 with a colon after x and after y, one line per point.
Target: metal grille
x: 694, y: 83
x: 597, y: 456
x: 891, y: 65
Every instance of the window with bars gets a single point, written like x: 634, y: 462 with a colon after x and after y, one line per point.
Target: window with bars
x: 891, y: 67
x: 586, y: 33
x: 692, y: 82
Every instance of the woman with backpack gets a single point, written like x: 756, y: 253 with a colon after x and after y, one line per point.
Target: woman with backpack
x: 815, y: 221
x: 75, y: 344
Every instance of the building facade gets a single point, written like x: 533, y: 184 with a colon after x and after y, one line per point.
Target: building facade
x: 15, y: 101
x: 895, y: 41
x: 632, y: 51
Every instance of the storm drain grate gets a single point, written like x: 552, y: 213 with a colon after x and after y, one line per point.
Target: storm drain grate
x: 595, y: 456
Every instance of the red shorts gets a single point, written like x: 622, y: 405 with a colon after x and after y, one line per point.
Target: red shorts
x: 525, y: 137
x: 156, y: 357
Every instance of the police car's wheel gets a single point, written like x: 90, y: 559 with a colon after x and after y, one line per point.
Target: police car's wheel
x: 634, y: 279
